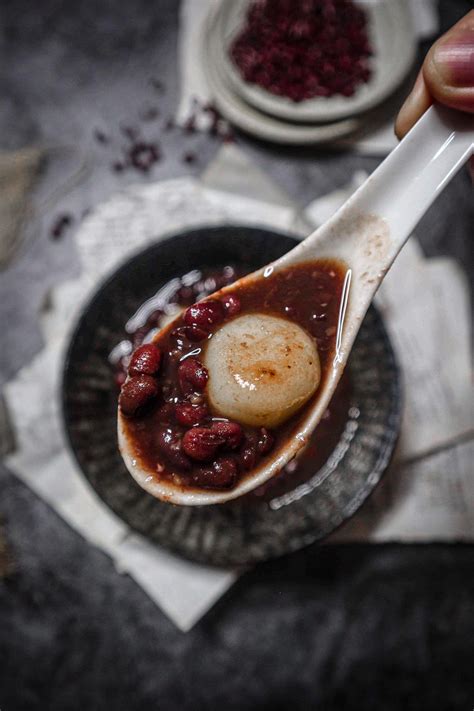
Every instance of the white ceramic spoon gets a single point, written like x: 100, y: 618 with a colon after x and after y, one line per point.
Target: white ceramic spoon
x: 366, y: 233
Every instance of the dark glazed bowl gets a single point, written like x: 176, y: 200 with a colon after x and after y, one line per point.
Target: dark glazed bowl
x: 235, y: 533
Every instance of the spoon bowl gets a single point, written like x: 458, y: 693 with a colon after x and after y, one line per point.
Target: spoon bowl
x: 366, y: 234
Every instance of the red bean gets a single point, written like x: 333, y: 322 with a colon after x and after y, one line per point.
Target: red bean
x: 166, y: 412
x: 204, y: 314
x: 195, y: 333
x: 231, y: 304
x: 145, y: 360
x: 222, y: 474
x: 192, y: 376
x: 154, y: 318
x: 265, y: 441
x: 139, y: 336
x: 189, y: 415
x: 120, y: 377
x: 201, y: 443
x: 170, y: 445
x: 231, y: 433
x: 248, y: 453
x: 185, y: 293
x: 136, y: 394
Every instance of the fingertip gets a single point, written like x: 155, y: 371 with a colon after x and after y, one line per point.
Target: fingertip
x: 448, y: 69
x: 442, y: 89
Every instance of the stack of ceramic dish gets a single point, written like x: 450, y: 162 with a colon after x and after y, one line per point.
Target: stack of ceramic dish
x: 317, y: 120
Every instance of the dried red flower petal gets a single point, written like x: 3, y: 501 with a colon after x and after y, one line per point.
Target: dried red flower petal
x: 301, y: 49
x: 60, y: 226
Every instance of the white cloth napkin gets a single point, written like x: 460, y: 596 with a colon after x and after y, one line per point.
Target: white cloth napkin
x: 422, y: 500
x: 193, y: 14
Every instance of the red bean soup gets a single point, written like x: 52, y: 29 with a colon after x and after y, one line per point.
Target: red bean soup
x: 168, y: 418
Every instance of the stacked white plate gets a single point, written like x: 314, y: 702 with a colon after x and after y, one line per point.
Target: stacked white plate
x: 318, y: 120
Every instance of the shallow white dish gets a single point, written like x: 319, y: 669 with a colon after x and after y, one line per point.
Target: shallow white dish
x: 392, y: 36
x: 250, y: 119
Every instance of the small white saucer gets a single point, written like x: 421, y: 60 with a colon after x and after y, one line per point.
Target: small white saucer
x: 391, y: 34
x: 250, y: 119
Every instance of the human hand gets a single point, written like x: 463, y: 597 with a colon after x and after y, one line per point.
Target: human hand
x: 447, y: 76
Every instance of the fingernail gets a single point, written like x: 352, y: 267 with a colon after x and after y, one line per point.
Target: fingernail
x: 454, y: 59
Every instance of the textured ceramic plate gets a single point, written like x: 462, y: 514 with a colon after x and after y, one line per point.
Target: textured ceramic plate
x: 241, y: 532
x: 391, y: 35
x: 249, y: 119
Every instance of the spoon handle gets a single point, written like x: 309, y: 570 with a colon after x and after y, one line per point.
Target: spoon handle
x: 409, y: 180
x: 369, y: 230
x: 395, y: 197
